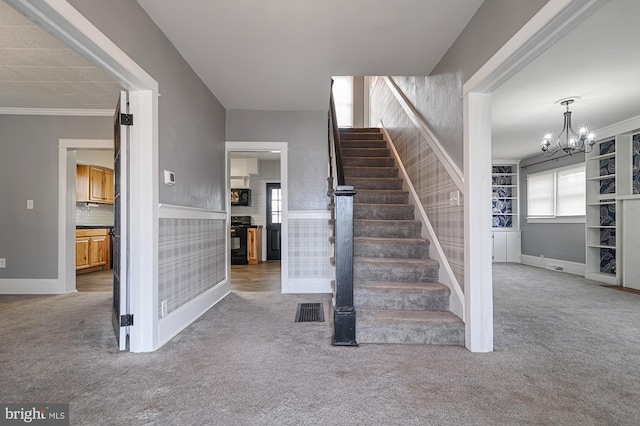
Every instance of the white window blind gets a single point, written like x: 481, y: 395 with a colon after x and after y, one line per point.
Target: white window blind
x: 556, y: 193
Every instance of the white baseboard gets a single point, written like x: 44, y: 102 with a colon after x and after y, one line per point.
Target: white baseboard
x: 181, y: 318
x: 30, y: 286
x: 307, y: 285
x: 569, y: 267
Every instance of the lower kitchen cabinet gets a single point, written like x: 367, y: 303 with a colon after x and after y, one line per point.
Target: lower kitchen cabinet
x: 93, y: 249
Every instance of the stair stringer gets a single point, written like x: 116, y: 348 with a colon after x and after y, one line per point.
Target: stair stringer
x: 456, y: 299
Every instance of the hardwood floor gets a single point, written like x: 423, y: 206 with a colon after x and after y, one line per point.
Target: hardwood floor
x: 264, y: 276
x: 95, y: 281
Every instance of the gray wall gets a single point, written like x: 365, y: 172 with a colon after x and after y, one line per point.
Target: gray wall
x: 192, y: 121
x: 29, y: 170
x: 562, y: 241
x: 306, y: 134
x: 438, y: 97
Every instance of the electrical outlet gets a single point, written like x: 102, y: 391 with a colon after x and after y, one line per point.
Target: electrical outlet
x: 29, y: 204
x: 3, y: 263
x: 163, y: 308
x: 454, y: 198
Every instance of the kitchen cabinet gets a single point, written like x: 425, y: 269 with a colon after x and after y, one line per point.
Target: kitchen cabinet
x: 254, y: 245
x: 93, y: 249
x: 94, y: 184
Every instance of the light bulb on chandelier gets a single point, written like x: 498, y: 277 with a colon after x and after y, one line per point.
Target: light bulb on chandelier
x: 572, y: 142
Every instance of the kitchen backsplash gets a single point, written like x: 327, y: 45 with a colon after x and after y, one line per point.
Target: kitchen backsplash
x: 91, y: 215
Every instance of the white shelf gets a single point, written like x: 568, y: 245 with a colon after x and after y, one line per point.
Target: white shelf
x: 603, y: 156
x: 512, y: 195
x: 600, y: 227
x: 603, y: 177
x: 504, y: 186
x: 601, y: 246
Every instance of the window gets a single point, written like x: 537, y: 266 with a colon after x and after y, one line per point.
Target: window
x: 343, y: 98
x: 557, y: 195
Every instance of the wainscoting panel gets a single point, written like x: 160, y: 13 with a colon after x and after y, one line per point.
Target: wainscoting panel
x: 191, y: 259
x: 430, y: 178
x: 309, y: 252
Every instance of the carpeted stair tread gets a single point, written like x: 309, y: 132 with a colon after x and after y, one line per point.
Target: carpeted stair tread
x: 386, y: 228
x: 383, y: 211
x: 370, y: 172
x: 361, y: 136
x: 403, y: 270
x: 381, y: 196
x: 363, y: 144
x: 401, y: 295
x: 366, y: 152
x: 409, y: 327
x: 368, y: 162
x: 391, y: 248
x: 374, y: 183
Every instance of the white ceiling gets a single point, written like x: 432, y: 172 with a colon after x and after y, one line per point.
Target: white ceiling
x: 598, y: 61
x: 38, y: 71
x: 280, y: 54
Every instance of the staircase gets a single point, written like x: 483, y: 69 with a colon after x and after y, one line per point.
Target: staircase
x: 397, y: 296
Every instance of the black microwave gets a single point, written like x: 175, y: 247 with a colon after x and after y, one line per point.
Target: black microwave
x: 240, y: 197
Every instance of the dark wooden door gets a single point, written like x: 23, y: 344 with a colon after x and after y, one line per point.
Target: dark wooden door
x: 274, y: 220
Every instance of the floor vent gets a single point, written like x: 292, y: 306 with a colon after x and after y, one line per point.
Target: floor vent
x: 310, y: 312
x: 552, y: 267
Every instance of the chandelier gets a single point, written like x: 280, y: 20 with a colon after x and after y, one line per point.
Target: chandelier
x: 568, y: 141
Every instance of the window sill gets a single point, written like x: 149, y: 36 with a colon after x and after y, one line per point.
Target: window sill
x: 563, y: 219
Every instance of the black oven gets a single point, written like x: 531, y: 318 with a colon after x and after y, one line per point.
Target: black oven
x: 238, y: 241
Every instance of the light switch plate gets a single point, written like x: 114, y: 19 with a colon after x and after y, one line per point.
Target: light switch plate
x: 29, y: 204
x: 3, y: 263
x: 454, y: 198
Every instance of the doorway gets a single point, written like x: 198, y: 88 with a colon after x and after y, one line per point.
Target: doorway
x: 274, y: 221
x: 265, y: 275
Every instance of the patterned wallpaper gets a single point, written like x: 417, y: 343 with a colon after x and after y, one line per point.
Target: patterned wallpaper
x: 309, y: 249
x: 636, y: 163
x: 428, y: 175
x: 191, y: 259
x: 502, y: 203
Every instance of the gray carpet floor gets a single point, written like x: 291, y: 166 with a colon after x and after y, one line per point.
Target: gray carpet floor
x: 567, y: 352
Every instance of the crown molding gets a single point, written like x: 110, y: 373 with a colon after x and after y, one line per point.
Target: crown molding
x: 58, y: 111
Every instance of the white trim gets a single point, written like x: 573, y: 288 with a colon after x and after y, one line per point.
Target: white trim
x: 446, y: 273
x: 66, y: 246
x: 309, y: 214
x: 181, y: 318
x: 478, y: 284
x: 450, y: 166
x: 171, y: 211
x: 552, y: 22
x: 58, y: 112
x: 570, y: 267
x: 283, y: 147
x: 625, y: 126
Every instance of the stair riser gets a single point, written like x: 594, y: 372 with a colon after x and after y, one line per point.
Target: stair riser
x: 426, y: 336
x: 393, y: 249
x: 383, y: 212
x: 387, y: 230
x: 378, y: 183
x: 411, y: 302
x: 365, y: 152
x: 367, y: 197
x: 363, y: 144
x: 378, y: 272
x: 361, y: 136
x: 368, y: 162
x: 371, y: 172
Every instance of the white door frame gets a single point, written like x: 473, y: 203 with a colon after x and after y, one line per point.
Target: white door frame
x: 67, y: 24
x: 284, y: 227
x: 554, y: 20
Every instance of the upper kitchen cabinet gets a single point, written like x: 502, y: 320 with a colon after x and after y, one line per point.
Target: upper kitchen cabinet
x: 94, y: 184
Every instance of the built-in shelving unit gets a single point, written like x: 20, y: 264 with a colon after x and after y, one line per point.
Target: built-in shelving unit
x: 611, y: 178
x: 504, y: 207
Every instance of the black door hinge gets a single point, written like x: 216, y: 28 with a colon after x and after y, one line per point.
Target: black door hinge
x: 126, y: 119
x: 126, y: 320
